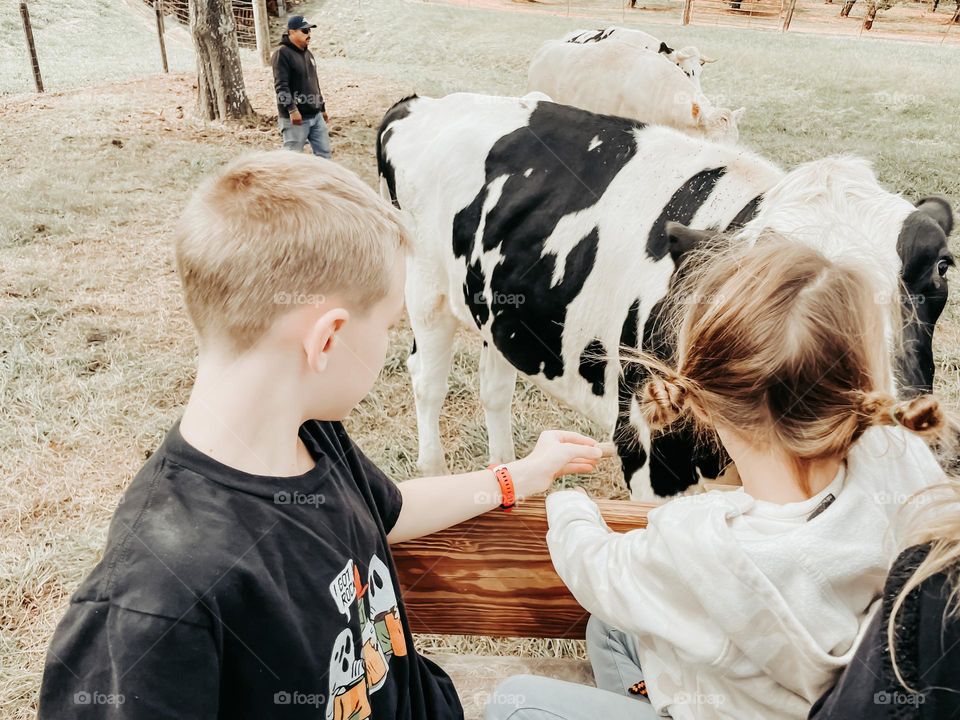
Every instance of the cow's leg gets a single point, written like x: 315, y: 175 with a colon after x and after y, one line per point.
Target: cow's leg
x: 498, y: 378
x: 434, y: 328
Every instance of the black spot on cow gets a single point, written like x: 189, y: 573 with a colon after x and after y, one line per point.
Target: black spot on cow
x: 682, y: 207
x: 925, y: 259
x: 631, y: 452
x: 748, y: 213
x: 550, y: 173
x: 399, y: 111
x: 593, y: 365
x: 473, y: 294
x: 664, y: 49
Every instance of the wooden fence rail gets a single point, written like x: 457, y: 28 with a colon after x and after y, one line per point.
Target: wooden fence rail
x: 493, y: 575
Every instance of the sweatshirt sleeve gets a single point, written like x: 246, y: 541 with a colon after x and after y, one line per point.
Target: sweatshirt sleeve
x: 281, y: 81
x: 622, y: 578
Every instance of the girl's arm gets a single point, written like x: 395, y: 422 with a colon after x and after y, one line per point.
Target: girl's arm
x: 615, y: 576
x: 434, y: 503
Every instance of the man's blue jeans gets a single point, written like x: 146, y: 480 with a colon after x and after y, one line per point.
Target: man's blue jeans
x: 313, y: 130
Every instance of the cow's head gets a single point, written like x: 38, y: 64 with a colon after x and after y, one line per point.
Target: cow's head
x: 925, y: 259
x: 687, y: 59
x: 717, y: 124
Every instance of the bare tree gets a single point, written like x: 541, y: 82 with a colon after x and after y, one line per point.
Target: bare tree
x: 222, y: 94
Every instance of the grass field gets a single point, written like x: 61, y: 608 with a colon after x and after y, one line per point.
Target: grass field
x: 95, y: 353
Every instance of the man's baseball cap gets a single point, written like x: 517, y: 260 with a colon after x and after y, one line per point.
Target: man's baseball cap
x: 298, y: 22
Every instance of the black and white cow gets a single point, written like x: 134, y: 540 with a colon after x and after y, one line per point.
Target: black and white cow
x: 553, y: 232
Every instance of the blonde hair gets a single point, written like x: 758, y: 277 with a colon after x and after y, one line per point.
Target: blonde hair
x: 935, y: 521
x: 275, y: 229
x: 784, y: 345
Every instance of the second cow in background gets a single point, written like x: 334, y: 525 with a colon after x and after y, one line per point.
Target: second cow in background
x: 614, y: 78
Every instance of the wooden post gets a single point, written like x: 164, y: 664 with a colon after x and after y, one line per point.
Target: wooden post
x: 687, y: 6
x: 31, y: 48
x: 789, y: 16
x: 261, y: 24
x: 158, y: 10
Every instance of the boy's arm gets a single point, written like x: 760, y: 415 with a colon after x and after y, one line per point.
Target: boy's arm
x: 108, y: 662
x: 435, y: 503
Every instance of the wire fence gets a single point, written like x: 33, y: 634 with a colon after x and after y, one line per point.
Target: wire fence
x: 936, y: 21
x: 242, y: 15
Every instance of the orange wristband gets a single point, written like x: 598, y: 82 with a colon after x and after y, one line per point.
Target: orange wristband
x: 507, y: 490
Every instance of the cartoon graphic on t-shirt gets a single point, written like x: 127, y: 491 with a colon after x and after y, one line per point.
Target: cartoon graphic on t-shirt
x: 344, y: 588
x: 353, y: 679
x: 384, y: 609
x: 373, y: 657
x: 348, y: 698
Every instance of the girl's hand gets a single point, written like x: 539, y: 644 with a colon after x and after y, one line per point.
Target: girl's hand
x: 558, y: 452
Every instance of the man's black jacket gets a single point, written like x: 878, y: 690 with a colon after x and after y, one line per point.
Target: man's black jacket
x: 295, y: 80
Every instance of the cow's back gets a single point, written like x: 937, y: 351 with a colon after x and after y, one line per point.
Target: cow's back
x: 564, y: 212
x: 614, y: 78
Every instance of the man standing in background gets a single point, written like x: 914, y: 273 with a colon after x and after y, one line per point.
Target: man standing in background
x: 303, y: 115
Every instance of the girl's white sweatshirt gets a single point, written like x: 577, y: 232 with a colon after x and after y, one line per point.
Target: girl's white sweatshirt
x: 744, y: 609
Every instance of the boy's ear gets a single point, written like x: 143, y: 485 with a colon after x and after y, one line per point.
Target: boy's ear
x: 320, y: 337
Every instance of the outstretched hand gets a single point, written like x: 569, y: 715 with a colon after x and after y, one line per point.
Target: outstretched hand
x: 557, y: 452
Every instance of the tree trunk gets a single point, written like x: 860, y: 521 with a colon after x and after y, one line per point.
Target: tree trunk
x: 847, y: 7
x: 221, y: 92
x: 936, y: 4
x: 871, y: 15
x: 956, y: 15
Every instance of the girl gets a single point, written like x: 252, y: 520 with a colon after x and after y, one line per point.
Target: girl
x: 747, y: 603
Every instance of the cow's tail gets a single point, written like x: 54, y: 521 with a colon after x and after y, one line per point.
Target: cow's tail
x: 386, y: 171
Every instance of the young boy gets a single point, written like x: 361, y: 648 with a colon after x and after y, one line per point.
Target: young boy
x: 247, y: 572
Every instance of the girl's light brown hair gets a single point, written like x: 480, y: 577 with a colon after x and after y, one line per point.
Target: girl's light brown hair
x: 783, y: 345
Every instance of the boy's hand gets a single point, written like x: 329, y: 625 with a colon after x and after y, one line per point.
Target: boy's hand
x: 558, y: 452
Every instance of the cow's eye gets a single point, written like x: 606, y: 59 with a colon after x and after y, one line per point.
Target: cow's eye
x: 944, y: 265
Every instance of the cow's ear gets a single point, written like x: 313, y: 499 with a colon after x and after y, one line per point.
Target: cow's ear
x: 682, y: 239
x: 939, y: 209
x: 738, y: 114
x: 665, y: 49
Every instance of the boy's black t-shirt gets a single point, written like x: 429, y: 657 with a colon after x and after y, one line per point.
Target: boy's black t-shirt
x: 228, y: 595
